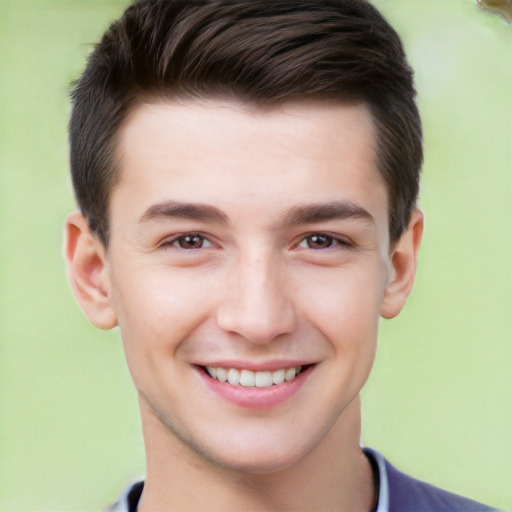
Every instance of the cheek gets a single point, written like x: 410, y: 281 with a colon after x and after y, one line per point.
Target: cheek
x: 345, y: 306
x: 347, y: 290
x: 157, y: 308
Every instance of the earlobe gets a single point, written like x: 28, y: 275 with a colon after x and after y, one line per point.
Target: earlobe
x: 404, y: 256
x: 86, y: 262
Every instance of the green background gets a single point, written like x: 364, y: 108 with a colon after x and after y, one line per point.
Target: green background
x: 439, y: 403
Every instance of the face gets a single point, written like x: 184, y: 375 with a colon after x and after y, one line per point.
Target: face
x: 247, y: 268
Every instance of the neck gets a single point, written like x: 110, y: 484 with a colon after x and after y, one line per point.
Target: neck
x: 335, y: 475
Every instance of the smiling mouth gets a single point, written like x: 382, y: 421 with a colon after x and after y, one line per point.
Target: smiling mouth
x: 251, y: 379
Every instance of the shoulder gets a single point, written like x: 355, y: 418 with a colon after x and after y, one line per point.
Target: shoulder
x: 408, y: 494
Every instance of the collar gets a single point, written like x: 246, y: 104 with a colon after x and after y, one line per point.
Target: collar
x: 379, y: 467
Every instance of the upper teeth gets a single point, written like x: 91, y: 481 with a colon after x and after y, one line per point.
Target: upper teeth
x: 249, y: 378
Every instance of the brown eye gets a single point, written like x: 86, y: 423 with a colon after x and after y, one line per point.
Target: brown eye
x: 191, y: 241
x: 319, y: 241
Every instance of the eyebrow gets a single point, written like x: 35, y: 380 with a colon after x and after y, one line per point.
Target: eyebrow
x: 297, y: 215
x: 323, y: 212
x: 191, y: 211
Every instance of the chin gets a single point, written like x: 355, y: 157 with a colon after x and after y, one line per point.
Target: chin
x: 254, y: 454
x: 259, y: 463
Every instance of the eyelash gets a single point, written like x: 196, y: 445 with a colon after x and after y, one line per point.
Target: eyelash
x: 175, y: 242
x: 331, y: 241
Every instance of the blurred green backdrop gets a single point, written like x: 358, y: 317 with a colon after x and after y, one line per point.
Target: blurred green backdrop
x: 439, y: 403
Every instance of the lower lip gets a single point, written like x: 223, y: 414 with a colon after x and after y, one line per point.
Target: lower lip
x: 254, y: 397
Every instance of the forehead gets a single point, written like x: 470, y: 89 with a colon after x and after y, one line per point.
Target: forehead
x: 227, y: 154
x: 315, y: 120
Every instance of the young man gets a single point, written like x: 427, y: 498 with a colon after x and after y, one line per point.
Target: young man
x: 247, y: 175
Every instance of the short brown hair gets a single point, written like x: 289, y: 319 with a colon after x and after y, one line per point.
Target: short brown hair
x: 258, y: 51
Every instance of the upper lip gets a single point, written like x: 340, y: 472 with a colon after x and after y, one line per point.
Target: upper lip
x: 258, y: 366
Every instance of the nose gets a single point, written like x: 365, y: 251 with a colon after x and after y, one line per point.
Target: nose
x: 255, y: 302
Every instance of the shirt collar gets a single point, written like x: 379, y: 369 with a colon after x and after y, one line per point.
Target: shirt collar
x: 379, y: 465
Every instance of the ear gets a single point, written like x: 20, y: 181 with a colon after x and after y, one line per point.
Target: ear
x: 87, y: 271
x: 403, y: 258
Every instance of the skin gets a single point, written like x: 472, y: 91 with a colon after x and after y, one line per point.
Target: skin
x: 266, y: 276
